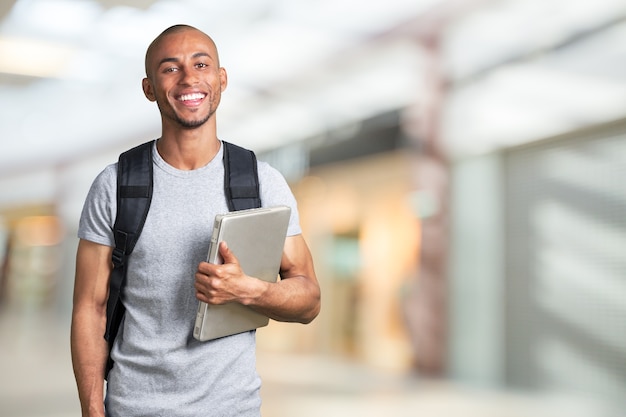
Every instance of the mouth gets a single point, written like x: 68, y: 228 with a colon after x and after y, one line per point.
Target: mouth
x: 191, y: 98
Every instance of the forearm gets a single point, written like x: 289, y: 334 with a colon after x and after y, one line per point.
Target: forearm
x: 89, y: 355
x: 89, y: 348
x: 295, y: 297
x: 292, y: 299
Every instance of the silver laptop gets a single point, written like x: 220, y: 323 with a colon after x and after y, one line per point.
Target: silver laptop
x: 257, y: 238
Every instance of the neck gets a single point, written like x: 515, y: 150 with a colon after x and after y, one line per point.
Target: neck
x: 188, y: 149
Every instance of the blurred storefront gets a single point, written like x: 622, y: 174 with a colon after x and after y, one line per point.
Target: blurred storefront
x: 358, y: 215
x: 529, y: 296
x: 538, y: 271
x: 537, y: 144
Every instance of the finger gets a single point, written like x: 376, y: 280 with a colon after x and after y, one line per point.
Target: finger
x: 227, y: 255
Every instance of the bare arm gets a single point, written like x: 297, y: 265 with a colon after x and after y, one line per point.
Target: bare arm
x: 295, y: 297
x: 89, y: 348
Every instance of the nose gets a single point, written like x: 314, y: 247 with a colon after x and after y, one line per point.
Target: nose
x: 188, y: 76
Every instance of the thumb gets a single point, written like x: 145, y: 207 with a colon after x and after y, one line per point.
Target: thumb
x: 228, y: 256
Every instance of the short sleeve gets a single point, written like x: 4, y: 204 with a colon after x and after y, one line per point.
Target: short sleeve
x: 275, y: 192
x: 98, y: 214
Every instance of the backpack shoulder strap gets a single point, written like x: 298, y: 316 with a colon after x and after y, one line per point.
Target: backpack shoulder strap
x: 134, y: 193
x: 241, y: 178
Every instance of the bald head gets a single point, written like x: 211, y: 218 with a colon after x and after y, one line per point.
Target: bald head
x: 173, y: 30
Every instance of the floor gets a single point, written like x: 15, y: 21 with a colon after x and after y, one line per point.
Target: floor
x: 36, y: 380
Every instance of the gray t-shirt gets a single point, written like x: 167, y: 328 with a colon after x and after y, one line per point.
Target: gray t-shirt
x: 160, y: 369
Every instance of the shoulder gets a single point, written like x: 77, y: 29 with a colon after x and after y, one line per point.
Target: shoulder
x: 107, y: 178
x: 96, y: 220
x: 268, y: 172
x: 104, y: 186
x: 271, y: 179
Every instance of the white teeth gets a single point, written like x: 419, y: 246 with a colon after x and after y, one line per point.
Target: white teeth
x: 193, y: 96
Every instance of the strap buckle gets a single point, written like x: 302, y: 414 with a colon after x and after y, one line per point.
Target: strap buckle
x: 118, y: 257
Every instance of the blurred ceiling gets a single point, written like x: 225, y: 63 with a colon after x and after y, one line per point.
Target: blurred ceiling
x: 70, y: 70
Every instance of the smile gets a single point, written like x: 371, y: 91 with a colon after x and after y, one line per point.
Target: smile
x: 191, y: 97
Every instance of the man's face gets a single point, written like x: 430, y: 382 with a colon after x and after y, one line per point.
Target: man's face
x: 184, y: 78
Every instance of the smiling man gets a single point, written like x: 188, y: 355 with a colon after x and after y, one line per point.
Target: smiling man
x: 205, y: 79
x: 159, y: 369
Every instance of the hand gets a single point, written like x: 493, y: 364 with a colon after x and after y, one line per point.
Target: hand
x: 221, y: 284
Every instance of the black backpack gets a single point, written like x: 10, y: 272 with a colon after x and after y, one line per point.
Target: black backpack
x: 134, y: 194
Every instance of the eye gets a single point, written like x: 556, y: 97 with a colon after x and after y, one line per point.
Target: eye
x: 170, y: 69
x: 201, y: 65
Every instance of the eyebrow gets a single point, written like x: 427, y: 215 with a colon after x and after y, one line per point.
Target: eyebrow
x: 196, y: 55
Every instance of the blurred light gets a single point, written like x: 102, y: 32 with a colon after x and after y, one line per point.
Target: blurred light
x: 39, y: 231
x: 127, y: 31
x: 34, y: 58
x: 345, y: 207
x: 313, y: 187
x: 53, y: 18
x: 517, y: 103
x: 280, y: 49
x: 352, y: 16
x: 424, y: 203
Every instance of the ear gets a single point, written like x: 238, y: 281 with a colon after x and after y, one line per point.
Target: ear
x: 223, y: 78
x: 147, y: 89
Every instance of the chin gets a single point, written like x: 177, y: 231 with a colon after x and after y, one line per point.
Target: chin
x: 192, y: 124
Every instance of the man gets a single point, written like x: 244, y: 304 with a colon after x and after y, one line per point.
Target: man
x: 159, y: 368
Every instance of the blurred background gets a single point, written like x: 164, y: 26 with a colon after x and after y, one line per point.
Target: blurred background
x: 459, y: 167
